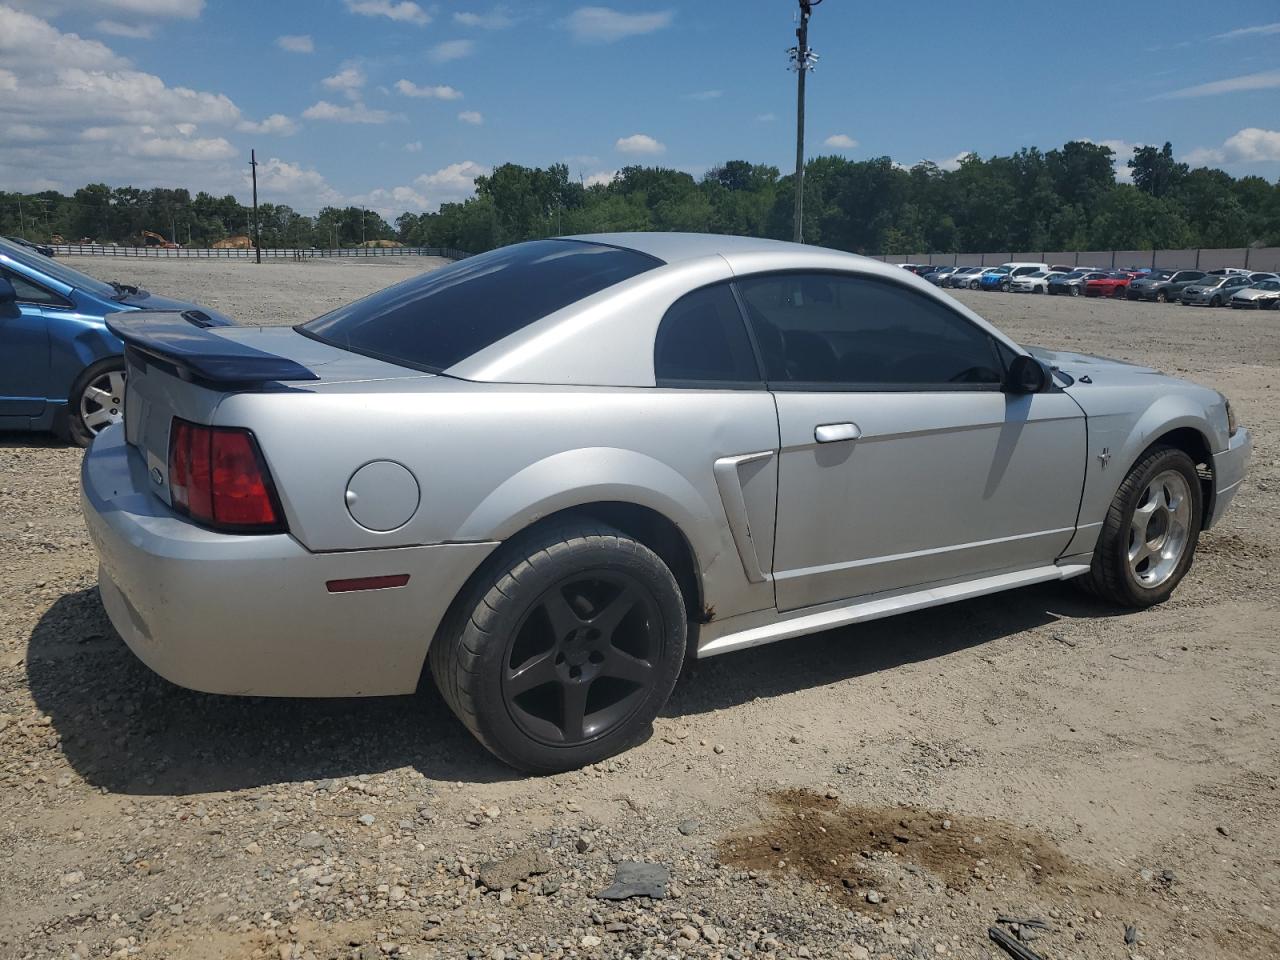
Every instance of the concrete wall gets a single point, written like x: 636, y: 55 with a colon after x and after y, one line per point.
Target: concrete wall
x: 1259, y: 258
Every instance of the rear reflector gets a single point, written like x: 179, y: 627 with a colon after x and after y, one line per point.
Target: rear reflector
x: 218, y: 478
x: 367, y: 583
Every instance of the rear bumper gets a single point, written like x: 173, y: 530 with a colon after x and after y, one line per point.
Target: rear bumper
x: 251, y: 615
x: 1229, y: 468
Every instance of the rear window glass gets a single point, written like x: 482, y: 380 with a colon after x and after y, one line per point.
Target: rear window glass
x: 440, y: 318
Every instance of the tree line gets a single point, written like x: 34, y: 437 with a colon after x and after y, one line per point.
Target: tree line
x: 1062, y: 199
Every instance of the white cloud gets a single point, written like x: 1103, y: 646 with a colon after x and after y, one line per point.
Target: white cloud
x: 1123, y: 150
x: 355, y: 113
x: 114, y: 28
x: 186, y: 129
x: 1266, y: 80
x: 496, y: 19
x: 349, y: 80
x: 1254, y: 145
x: 599, y: 178
x: 277, y: 124
x: 404, y: 11
x: 705, y: 95
x: 952, y: 163
x: 441, y: 92
x: 415, y: 147
x: 1250, y: 145
x: 290, y: 181
x: 766, y: 117
x: 473, y: 117
x: 27, y: 132
x: 840, y: 141
x: 604, y: 25
x: 450, y: 50
x: 1262, y: 30
x: 296, y: 43
x: 639, y: 143
x: 181, y: 148
x: 454, y: 181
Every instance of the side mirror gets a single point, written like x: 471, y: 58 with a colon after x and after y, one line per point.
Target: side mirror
x: 1026, y: 375
x: 8, y: 295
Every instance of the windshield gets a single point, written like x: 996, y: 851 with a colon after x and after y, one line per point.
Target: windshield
x: 1267, y: 285
x: 437, y: 319
x: 52, y: 268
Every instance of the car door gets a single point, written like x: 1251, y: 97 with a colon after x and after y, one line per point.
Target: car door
x: 902, y: 460
x: 24, y: 349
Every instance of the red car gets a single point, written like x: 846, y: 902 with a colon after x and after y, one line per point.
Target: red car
x: 1115, y: 284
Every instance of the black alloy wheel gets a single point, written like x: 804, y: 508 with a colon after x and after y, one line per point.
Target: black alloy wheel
x: 583, y: 660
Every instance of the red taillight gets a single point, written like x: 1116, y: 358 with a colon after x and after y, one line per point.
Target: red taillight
x: 218, y: 478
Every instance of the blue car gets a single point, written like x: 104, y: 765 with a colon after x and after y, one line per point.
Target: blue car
x: 60, y: 368
x: 996, y: 278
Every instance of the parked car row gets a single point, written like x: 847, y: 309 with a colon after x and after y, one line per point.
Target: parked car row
x: 1239, y: 288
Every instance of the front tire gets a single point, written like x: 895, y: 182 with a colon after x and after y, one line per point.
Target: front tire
x: 564, y: 650
x: 96, y: 400
x: 1149, y: 535
x: 1162, y: 297
x: 1075, y: 291
x: 1215, y: 302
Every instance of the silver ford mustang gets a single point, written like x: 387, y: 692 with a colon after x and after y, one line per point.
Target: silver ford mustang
x: 552, y: 472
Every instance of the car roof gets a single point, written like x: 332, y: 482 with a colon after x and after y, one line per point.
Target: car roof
x: 675, y: 247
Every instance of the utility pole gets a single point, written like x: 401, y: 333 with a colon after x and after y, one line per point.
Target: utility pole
x: 257, y: 233
x: 802, y: 61
x: 22, y: 222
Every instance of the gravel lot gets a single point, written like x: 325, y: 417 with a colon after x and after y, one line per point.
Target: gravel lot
x: 882, y: 791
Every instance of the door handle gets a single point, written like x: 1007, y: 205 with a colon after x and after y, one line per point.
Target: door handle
x: 833, y: 432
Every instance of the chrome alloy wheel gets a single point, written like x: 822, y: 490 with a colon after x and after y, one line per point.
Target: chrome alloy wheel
x: 1158, y: 532
x: 584, y: 658
x: 102, y: 402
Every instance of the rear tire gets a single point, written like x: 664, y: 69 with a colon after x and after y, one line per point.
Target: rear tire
x: 973, y: 284
x: 564, y: 650
x: 96, y: 400
x: 1149, y: 535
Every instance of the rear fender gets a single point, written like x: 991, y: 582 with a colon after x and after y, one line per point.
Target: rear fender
x: 590, y: 475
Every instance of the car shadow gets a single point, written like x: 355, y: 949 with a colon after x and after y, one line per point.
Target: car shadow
x: 16, y: 439
x: 126, y: 730
x: 878, y: 646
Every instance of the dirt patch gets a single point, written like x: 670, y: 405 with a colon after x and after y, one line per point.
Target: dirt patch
x: 874, y: 859
x: 845, y: 849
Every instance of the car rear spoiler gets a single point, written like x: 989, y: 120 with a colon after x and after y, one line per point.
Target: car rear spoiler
x: 183, y: 344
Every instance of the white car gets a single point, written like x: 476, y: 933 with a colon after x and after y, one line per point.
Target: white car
x: 1036, y: 282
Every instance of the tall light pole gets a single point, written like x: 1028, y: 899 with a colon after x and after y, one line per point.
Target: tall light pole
x: 257, y: 233
x: 802, y: 61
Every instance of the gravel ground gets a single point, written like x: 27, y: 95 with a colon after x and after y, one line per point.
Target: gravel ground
x: 883, y: 791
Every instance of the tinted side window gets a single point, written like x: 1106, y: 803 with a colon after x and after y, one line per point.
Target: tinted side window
x: 702, y: 338
x: 29, y: 292
x: 833, y: 328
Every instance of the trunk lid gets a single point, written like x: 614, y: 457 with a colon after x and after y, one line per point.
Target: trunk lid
x: 178, y: 366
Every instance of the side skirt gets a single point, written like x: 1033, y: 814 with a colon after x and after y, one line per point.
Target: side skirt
x: 800, y: 622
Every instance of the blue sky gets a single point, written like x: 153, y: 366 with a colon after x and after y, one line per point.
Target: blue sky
x: 399, y: 104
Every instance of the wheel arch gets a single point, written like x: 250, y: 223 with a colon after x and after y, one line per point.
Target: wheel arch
x: 642, y: 523
x: 1192, y: 439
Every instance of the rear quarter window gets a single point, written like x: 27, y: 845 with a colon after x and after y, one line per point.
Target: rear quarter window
x: 440, y: 318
